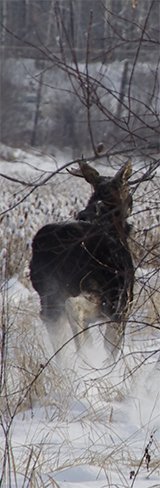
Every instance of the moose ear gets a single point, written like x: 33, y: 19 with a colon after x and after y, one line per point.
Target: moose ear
x: 90, y: 174
x: 124, y: 173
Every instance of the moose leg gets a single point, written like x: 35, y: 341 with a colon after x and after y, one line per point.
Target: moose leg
x: 114, y: 338
x: 77, y: 319
x: 53, y: 313
x: 52, y: 307
x: 82, y: 311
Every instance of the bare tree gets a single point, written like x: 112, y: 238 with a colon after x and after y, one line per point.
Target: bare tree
x: 95, y: 83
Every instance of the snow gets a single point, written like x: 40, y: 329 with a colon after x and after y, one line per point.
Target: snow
x: 87, y: 421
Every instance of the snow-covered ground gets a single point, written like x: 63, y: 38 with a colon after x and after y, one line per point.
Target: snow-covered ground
x: 71, y: 420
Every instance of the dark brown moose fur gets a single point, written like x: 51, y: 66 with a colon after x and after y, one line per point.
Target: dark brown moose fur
x: 89, y: 257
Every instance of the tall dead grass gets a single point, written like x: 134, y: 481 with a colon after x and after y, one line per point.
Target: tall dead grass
x: 28, y: 375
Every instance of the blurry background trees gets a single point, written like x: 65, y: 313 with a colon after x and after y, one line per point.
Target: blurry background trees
x: 75, y: 73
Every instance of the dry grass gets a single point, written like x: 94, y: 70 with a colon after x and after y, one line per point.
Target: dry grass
x: 28, y: 376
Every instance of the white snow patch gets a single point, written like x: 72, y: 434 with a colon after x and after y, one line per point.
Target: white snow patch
x: 90, y: 425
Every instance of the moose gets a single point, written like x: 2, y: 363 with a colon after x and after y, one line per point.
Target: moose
x: 86, y: 264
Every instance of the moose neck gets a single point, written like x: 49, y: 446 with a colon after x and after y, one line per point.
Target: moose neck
x: 105, y: 218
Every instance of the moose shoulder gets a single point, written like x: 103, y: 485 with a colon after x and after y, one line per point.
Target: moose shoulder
x: 89, y: 257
